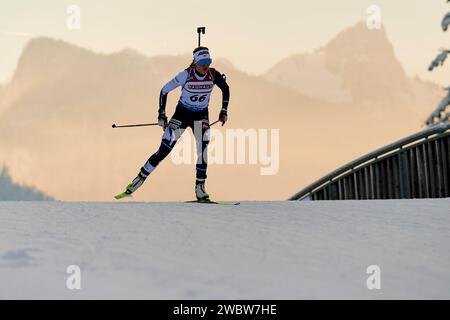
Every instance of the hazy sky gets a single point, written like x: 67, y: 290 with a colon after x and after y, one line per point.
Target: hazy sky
x: 253, y: 35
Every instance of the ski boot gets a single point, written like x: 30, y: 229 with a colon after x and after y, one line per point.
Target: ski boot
x: 132, y: 187
x: 200, y: 191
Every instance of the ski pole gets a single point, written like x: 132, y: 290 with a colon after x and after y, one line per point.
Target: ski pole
x: 134, y: 125
x: 147, y: 124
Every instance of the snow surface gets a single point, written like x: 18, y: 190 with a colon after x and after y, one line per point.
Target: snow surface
x: 257, y: 250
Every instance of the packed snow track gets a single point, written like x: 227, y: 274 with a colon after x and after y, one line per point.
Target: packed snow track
x: 256, y: 250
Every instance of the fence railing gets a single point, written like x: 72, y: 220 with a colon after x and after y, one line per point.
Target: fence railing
x: 417, y: 166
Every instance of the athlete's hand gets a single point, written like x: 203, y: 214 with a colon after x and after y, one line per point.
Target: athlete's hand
x: 223, y: 117
x: 162, y: 120
x: 205, y: 126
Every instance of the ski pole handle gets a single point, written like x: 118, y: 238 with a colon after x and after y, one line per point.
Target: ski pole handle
x: 134, y: 125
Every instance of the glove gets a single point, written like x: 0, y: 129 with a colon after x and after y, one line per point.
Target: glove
x: 205, y: 125
x: 162, y: 119
x: 223, y: 117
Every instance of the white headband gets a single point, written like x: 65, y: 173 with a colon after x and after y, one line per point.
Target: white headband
x: 201, y: 54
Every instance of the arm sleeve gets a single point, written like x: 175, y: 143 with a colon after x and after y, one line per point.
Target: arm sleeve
x: 220, y: 81
x: 162, y: 102
x: 179, y: 80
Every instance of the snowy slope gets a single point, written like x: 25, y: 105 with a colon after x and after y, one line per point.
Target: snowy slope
x: 276, y: 250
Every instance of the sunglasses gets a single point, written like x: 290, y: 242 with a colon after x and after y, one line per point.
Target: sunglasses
x: 204, y: 62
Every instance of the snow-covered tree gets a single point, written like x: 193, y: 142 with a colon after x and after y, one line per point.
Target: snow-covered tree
x: 439, y: 115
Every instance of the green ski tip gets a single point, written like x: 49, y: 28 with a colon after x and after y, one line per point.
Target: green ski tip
x: 122, y: 195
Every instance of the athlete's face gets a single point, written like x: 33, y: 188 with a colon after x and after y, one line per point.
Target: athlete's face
x: 202, y: 69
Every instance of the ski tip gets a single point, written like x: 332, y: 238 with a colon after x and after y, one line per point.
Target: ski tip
x: 122, y: 195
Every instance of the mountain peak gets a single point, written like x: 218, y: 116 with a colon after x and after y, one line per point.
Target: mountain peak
x: 359, y: 39
x: 357, y: 64
x: 43, y: 56
x: 41, y: 47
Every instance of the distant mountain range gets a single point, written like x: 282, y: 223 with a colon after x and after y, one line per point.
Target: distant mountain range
x: 10, y: 191
x: 342, y: 100
x: 357, y: 66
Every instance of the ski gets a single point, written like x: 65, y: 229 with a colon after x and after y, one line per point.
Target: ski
x: 234, y: 203
x: 122, y: 195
